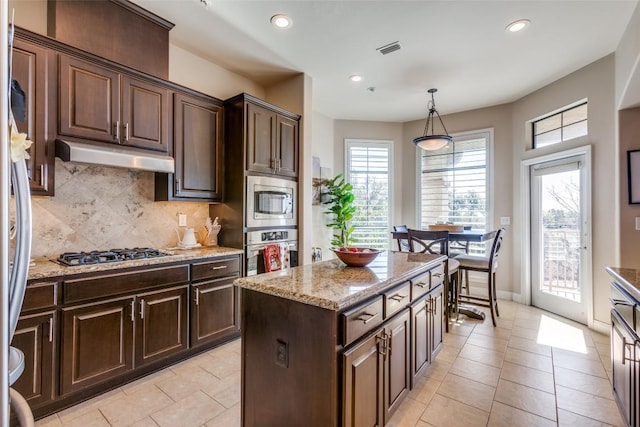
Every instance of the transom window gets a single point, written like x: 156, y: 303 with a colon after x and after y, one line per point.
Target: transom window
x: 368, y: 169
x: 567, y: 124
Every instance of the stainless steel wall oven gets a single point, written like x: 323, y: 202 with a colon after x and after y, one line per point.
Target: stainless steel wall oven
x: 258, y: 240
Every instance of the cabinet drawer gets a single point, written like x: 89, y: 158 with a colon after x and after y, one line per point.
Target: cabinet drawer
x: 217, y: 268
x: 357, y: 321
x: 420, y: 285
x: 123, y: 283
x: 40, y: 295
x: 437, y: 276
x: 623, y: 304
x: 395, y: 299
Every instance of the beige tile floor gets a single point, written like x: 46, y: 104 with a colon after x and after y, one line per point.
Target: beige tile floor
x: 534, y: 369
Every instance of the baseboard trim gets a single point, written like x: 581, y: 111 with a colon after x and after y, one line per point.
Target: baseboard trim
x: 602, y: 327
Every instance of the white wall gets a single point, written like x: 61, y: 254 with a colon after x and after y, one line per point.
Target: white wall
x: 322, y: 147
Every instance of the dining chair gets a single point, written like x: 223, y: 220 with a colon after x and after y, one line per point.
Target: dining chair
x: 485, y: 264
x: 437, y: 242
x: 401, y: 236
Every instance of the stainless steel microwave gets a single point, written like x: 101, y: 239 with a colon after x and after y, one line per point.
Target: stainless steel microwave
x: 271, y: 202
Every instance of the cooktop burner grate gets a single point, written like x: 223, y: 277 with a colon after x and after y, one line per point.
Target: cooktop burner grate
x: 112, y: 255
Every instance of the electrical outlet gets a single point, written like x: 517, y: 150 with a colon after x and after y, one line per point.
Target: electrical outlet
x: 505, y: 220
x: 282, y: 353
x: 182, y: 220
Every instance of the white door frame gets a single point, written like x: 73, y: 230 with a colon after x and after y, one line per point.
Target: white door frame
x: 525, y: 203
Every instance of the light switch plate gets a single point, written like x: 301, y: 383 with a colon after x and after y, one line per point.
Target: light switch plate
x: 505, y: 220
x: 182, y: 220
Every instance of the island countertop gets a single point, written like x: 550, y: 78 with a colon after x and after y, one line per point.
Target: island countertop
x: 334, y: 286
x: 629, y: 278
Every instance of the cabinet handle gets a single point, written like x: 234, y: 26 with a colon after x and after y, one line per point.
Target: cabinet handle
x: 421, y: 284
x: 626, y: 344
x: 142, y: 304
x: 133, y: 310
x: 117, y: 136
x: 51, y: 329
x: 178, y: 185
x: 398, y: 297
x: 42, y: 175
x: 367, y: 319
x: 197, y: 299
x: 220, y: 267
x: 437, y: 274
x: 126, y: 131
x: 383, y: 339
x: 620, y: 302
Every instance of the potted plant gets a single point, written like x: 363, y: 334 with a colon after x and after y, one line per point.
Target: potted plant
x: 338, y: 195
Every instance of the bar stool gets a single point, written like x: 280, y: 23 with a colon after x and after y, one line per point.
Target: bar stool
x: 437, y: 242
x: 489, y: 265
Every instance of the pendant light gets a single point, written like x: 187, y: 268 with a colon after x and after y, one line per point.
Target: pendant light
x: 433, y: 141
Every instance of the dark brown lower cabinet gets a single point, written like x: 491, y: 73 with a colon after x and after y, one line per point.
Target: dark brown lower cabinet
x: 214, y: 310
x: 427, y: 330
x: 363, y: 368
x: 397, y: 364
x: 161, y: 324
x: 34, y: 336
x: 97, y: 343
x: 376, y: 374
x: 624, y: 369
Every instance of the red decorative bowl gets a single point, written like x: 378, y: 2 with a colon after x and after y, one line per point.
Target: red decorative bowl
x: 360, y: 258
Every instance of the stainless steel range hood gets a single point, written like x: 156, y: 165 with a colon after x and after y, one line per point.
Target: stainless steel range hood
x: 115, y: 156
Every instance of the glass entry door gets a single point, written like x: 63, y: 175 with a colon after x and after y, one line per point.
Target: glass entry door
x: 559, y: 237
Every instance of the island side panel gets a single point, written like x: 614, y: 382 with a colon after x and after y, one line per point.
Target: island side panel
x: 289, y: 363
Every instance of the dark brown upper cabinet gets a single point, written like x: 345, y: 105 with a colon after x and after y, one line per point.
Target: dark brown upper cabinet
x: 197, y: 149
x: 101, y: 104
x: 34, y: 68
x: 272, y: 141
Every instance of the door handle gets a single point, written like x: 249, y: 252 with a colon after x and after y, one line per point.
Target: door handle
x: 142, y: 304
x: 51, y: 320
x: 369, y: 317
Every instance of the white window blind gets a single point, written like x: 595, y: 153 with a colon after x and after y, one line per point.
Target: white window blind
x: 453, y: 184
x: 368, y: 166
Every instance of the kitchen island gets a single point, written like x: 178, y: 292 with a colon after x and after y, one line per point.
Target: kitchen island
x: 328, y: 345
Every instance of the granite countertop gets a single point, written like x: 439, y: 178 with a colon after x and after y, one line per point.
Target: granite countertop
x: 44, y: 268
x: 333, y: 285
x: 629, y: 278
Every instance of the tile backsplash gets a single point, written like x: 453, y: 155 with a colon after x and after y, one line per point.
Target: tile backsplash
x: 97, y: 207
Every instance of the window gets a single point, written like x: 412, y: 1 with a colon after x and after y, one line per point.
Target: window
x: 567, y: 124
x: 453, y: 183
x: 368, y: 169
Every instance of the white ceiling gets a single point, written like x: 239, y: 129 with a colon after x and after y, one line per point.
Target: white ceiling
x: 460, y: 47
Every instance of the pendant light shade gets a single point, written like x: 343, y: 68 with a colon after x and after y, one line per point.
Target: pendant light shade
x: 433, y: 141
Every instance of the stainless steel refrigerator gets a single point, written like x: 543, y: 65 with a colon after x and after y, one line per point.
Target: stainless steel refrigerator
x: 13, y: 175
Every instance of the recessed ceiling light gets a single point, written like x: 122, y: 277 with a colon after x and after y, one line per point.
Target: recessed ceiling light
x: 355, y: 78
x: 281, y: 21
x: 518, y: 25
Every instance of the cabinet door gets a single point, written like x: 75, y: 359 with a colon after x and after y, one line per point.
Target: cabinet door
x: 161, y: 325
x: 622, y: 367
x: 287, y: 147
x: 145, y: 115
x: 261, y: 137
x: 35, y: 338
x: 89, y: 101
x: 420, y: 320
x: 214, y: 311
x: 32, y: 66
x: 397, y: 364
x: 96, y: 343
x: 198, y: 149
x: 363, y: 383
x: 436, y: 320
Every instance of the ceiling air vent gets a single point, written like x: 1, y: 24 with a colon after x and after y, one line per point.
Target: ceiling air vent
x: 391, y: 47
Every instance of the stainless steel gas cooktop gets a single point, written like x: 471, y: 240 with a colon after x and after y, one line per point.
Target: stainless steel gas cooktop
x: 111, y: 255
